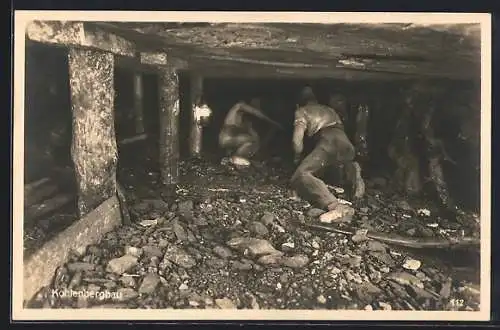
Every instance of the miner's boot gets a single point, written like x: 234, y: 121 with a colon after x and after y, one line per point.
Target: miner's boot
x: 337, y: 212
x: 240, y: 163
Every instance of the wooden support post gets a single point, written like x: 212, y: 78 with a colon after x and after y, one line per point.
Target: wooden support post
x: 169, y: 124
x: 196, y: 129
x: 138, y: 103
x: 93, y: 150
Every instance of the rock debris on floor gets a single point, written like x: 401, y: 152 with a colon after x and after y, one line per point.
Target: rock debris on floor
x: 231, y: 241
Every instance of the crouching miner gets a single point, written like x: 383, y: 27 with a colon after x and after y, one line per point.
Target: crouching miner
x: 332, y: 148
x: 237, y: 136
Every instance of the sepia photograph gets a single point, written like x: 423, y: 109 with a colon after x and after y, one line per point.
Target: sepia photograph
x: 271, y: 166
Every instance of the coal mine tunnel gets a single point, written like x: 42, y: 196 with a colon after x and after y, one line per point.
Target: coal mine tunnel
x: 278, y: 100
x: 48, y: 115
x: 156, y: 173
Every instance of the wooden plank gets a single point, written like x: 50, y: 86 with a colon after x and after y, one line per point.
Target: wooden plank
x: 56, y: 32
x: 78, y: 34
x: 39, y: 194
x: 133, y: 139
x: 169, y: 125
x: 39, y: 268
x: 46, y: 207
x: 109, y: 42
x: 135, y: 64
x: 29, y: 187
x: 93, y: 150
x: 153, y: 58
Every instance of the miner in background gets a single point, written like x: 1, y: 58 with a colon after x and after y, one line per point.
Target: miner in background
x: 237, y: 136
x: 332, y: 148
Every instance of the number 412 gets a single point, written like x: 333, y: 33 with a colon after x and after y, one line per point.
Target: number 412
x: 457, y: 302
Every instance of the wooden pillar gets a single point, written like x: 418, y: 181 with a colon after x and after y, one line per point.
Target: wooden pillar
x: 361, y: 132
x: 138, y: 103
x: 196, y: 129
x: 93, y: 148
x: 169, y: 125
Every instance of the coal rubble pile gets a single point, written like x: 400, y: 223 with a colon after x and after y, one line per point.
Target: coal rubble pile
x: 234, y: 241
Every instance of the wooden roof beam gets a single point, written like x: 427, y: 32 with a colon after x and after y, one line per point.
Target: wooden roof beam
x: 150, y: 62
x: 78, y: 34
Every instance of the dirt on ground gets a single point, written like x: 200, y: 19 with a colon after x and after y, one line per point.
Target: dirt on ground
x: 233, y: 240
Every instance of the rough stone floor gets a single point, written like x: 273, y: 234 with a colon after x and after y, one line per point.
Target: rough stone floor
x: 231, y: 241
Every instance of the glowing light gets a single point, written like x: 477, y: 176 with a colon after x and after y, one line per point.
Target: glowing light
x: 202, y: 112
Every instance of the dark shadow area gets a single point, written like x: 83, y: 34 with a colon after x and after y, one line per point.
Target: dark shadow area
x: 137, y: 152
x: 50, y: 185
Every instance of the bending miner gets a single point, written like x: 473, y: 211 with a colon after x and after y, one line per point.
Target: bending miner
x: 238, y: 137
x: 332, y: 149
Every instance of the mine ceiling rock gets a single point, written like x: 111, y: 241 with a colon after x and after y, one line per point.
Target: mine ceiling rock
x: 345, y: 51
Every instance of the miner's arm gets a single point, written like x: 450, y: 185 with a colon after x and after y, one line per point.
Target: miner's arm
x: 298, y: 134
x: 256, y: 112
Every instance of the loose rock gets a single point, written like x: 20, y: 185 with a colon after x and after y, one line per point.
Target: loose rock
x: 242, y: 265
x: 420, y: 293
x: 288, y: 246
x: 255, y: 246
x: 149, y: 283
x: 470, y: 292
x: 179, y: 231
x: 424, y: 212
x: 258, y: 228
x: 298, y: 261
x: 385, y: 306
x: 367, y: 292
x: 126, y: 294
x: 222, y: 252
x: 412, y: 264
x: 270, y: 259
x: 122, y: 264
x: 405, y: 278
x: 80, y: 267
x: 152, y: 251
x: 403, y: 205
x: 179, y: 257
x: 185, y: 206
x: 200, y: 221
x: 376, y: 246
x: 343, y: 213
x: 128, y: 281
x: 445, y: 291
x: 133, y: 251
x: 268, y: 218
x: 225, y: 303
x: 149, y: 222
x: 321, y: 300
